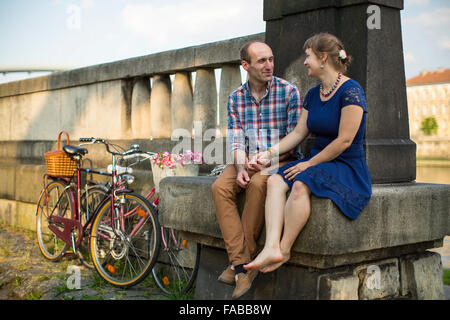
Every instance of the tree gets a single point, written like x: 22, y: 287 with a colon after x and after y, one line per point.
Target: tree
x: 429, y: 126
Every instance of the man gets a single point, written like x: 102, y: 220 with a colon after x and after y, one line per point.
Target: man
x: 263, y: 111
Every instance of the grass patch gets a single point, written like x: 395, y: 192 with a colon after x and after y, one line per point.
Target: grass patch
x: 62, y: 288
x: 43, y: 278
x: 17, y: 281
x: 447, y: 277
x: 35, y: 295
x: 97, y: 281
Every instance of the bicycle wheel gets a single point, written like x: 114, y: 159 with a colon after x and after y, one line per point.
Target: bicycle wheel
x: 124, y: 242
x: 178, y: 262
x: 90, y: 199
x: 55, y: 200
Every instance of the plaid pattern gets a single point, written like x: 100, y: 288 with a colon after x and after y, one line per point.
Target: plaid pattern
x: 265, y: 124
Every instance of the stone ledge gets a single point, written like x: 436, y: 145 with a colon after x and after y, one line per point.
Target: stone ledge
x: 32, y: 151
x: 24, y: 182
x: 277, y: 9
x: 400, y: 218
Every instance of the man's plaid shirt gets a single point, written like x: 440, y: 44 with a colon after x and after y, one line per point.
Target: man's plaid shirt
x: 264, y: 124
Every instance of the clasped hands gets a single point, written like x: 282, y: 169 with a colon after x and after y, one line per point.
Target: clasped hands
x: 262, y: 160
x: 255, y: 163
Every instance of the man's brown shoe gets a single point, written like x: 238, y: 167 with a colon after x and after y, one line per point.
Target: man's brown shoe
x: 227, y: 276
x: 243, y: 283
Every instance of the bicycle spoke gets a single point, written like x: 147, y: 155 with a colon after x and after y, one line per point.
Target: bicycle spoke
x: 54, y: 201
x: 177, y: 268
x: 130, y: 239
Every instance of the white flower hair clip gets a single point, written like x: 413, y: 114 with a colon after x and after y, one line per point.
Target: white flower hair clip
x: 342, y: 54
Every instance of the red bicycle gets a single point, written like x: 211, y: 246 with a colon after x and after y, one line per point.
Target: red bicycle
x: 123, y: 229
x: 177, y: 265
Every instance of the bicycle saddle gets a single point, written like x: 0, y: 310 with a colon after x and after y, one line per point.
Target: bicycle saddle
x: 72, y: 150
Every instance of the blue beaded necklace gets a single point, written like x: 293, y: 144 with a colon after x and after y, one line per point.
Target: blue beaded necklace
x: 327, y: 94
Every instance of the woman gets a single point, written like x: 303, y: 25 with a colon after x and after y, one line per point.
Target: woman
x: 336, y: 169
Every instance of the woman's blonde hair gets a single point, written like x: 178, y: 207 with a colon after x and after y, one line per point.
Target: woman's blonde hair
x: 327, y: 43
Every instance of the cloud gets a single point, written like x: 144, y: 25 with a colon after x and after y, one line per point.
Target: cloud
x: 195, y: 21
x: 416, y: 2
x: 438, y: 18
x: 444, y: 42
x: 86, y: 4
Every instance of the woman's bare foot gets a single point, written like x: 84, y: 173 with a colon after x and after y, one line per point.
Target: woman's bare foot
x: 274, y: 266
x: 265, y: 258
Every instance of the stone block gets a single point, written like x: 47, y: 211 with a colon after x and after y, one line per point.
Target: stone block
x: 338, y: 287
x: 379, y: 280
x: 288, y: 282
x: 7, y: 177
x: 19, y: 214
x: 8, y: 212
x: 26, y: 215
x: 421, y: 276
x: 29, y: 182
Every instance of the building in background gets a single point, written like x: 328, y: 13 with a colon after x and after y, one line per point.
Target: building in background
x: 429, y: 113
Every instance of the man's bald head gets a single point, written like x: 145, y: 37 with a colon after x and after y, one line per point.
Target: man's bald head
x: 245, y: 54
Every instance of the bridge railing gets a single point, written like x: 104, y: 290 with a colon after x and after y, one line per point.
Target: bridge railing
x: 145, y: 98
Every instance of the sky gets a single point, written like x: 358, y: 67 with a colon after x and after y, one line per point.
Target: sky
x: 66, y: 34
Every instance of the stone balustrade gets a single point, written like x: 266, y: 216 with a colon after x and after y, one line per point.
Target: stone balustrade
x: 137, y: 98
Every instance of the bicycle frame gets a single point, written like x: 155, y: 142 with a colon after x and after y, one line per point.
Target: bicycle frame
x: 66, y: 234
x: 148, y: 196
x: 114, y: 192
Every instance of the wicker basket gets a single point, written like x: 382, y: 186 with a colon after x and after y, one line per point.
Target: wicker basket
x: 59, y: 164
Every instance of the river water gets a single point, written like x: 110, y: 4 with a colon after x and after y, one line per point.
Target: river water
x: 433, y: 174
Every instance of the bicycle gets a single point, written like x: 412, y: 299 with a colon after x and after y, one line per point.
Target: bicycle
x: 64, y: 211
x: 177, y: 265
x: 124, y: 236
x: 123, y: 230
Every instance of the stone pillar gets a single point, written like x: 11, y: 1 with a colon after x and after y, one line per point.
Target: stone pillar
x: 230, y: 80
x: 140, y: 109
x: 125, y: 106
x: 205, y: 98
x: 160, y: 114
x: 182, y: 102
x: 377, y: 65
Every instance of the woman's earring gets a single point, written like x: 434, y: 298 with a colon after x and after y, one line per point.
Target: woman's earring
x: 321, y: 66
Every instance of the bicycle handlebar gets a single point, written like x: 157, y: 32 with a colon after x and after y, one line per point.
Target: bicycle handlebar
x: 132, y: 153
x: 145, y: 155
x: 134, y: 148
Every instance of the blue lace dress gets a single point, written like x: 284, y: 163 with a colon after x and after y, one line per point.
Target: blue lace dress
x: 346, y: 179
